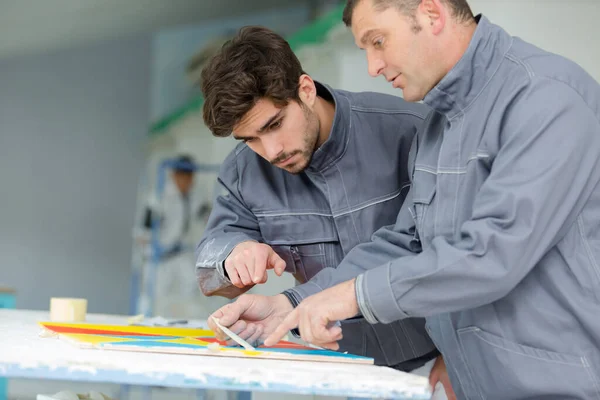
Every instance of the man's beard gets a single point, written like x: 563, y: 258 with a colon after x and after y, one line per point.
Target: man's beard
x: 297, y: 167
x: 311, y: 136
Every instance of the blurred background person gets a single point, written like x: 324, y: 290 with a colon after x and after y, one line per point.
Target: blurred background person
x: 166, y: 236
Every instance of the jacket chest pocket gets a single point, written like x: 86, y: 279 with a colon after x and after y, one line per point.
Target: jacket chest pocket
x: 424, y: 189
x: 307, y: 243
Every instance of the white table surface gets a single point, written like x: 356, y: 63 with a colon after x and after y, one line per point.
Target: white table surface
x: 24, y: 354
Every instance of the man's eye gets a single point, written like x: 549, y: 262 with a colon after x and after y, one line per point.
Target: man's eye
x: 275, y: 125
x: 378, y: 43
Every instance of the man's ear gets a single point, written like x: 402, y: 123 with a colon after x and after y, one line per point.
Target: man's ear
x: 307, y: 91
x: 433, y: 14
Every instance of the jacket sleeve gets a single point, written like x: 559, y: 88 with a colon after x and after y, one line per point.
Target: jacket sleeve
x: 230, y: 223
x: 544, y: 173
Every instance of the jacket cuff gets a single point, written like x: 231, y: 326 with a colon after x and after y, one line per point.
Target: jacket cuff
x: 294, y: 301
x: 291, y: 297
x: 306, y: 289
x: 221, y: 270
x: 213, y: 254
x: 378, y: 297
x: 364, y: 308
x: 211, y: 283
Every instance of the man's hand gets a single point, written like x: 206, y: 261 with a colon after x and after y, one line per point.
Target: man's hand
x: 248, y: 263
x: 317, y: 316
x: 440, y: 374
x: 252, y: 317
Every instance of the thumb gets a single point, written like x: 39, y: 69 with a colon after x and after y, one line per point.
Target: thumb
x: 211, y: 324
x: 276, y: 263
x: 232, y: 312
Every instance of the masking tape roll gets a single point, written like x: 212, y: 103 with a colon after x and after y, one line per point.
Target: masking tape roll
x: 67, y: 309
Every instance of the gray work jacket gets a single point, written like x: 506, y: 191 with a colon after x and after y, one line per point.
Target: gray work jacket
x: 355, y: 184
x: 504, y: 211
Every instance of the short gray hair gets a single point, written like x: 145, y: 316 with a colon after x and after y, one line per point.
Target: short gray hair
x: 460, y: 8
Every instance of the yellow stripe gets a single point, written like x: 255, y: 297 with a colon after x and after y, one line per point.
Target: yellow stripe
x: 153, y: 330
x: 94, y: 339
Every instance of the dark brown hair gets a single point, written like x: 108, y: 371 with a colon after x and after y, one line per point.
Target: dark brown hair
x: 460, y: 8
x: 255, y: 64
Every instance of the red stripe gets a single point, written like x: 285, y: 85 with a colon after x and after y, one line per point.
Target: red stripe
x: 66, y: 329
x: 280, y: 345
x: 211, y: 340
x: 290, y: 345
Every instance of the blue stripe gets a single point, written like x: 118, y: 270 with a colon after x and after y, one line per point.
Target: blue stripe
x: 311, y: 352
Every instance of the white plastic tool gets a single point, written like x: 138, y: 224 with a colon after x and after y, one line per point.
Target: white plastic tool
x: 233, y: 336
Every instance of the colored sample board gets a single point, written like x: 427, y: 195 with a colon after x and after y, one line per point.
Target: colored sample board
x: 185, y: 341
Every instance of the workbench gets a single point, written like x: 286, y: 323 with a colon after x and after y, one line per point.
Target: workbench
x: 25, y: 354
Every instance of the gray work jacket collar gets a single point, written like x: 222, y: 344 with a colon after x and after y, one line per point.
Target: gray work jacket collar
x: 335, y: 146
x: 469, y: 77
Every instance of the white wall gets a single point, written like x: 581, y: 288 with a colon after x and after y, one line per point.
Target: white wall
x: 72, y: 129
x: 568, y: 28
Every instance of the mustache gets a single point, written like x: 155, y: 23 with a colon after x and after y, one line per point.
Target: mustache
x: 285, y: 156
